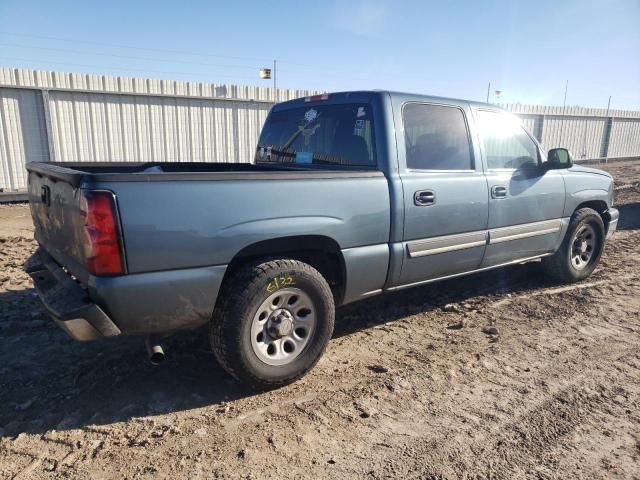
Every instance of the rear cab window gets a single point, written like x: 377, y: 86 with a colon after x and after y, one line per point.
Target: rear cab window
x: 436, y: 138
x: 319, y: 134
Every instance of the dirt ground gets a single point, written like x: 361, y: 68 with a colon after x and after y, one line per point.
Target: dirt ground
x: 410, y: 386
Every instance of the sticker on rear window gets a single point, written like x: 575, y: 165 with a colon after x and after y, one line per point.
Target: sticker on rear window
x: 304, y: 157
x: 310, y: 115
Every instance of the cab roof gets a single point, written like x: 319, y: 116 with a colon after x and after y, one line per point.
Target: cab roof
x: 366, y: 95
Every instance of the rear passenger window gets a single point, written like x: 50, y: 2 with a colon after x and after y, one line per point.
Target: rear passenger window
x: 506, y: 144
x: 436, y: 138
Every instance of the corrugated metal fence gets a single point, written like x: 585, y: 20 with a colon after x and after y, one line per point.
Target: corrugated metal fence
x: 589, y: 133
x: 55, y: 116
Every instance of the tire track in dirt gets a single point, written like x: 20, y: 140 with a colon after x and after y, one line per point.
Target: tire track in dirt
x: 526, y: 445
x: 358, y: 395
x: 555, y: 394
x: 536, y: 429
x: 579, y: 358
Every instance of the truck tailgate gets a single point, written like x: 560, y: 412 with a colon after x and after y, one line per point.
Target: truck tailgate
x: 55, y: 209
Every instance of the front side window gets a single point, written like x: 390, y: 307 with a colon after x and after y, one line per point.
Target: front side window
x: 506, y: 144
x: 338, y: 134
x: 436, y: 138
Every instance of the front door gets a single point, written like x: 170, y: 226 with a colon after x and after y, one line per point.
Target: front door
x: 526, y: 201
x: 445, y: 194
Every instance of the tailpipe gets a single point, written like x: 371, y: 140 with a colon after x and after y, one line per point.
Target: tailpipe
x: 154, y: 350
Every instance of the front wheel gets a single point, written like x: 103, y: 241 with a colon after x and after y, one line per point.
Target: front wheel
x: 581, y: 249
x: 273, y: 323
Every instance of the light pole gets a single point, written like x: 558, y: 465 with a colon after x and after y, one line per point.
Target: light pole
x: 268, y: 73
x: 274, y: 74
x: 564, y: 111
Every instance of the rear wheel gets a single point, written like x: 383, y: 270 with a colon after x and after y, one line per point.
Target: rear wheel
x: 581, y: 249
x: 274, y: 322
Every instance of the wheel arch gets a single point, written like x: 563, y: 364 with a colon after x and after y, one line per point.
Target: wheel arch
x: 321, y: 252
x: 599, y: 206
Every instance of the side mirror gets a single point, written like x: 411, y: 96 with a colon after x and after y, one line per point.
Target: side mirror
x: 559, y: 158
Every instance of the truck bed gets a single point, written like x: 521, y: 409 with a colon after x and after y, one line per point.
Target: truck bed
x: 79, y: 173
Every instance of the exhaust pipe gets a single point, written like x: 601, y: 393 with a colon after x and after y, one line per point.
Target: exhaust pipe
x: 154, y: 350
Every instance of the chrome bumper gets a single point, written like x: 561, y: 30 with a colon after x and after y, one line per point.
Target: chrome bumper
x: 614, y: 215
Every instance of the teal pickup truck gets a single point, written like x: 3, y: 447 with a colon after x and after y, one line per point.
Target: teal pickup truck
x: 350, y: 195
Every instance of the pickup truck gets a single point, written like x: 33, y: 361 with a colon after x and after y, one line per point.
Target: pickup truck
x: 350, y: 195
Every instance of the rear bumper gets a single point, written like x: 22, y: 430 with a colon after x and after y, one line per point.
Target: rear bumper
x: 614, y: 215
x: 133, y: 304
x: 67, y: 301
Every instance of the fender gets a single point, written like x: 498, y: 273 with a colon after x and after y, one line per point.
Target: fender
x: 581, y: 196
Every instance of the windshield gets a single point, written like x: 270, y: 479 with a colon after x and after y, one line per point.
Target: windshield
x: 319, y: 134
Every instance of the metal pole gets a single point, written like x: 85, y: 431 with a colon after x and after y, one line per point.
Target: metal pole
x: 584, y: 136
x: 274, y: 76
x: 488, y: 90
x: 609, y: 123
x: 48, y: 128
x: 564, y: 111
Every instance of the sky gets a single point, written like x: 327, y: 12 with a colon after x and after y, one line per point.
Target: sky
x: 526, y: 49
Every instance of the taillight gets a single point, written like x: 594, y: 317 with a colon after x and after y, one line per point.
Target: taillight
x: 102, y: 249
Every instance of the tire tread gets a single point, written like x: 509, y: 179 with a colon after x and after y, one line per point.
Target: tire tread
x: 240, y: 287
x: 556, y: 265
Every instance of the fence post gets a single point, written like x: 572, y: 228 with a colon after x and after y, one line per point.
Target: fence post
x: 604, y: 149
x: 540, y: 131
x: 47, y: 123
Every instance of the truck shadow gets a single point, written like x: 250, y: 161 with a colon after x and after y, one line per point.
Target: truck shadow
x: 629, y: 216
x: 391, y: 307
x: 51, y: 382
x: 48, y: 381
x: 394, y: 306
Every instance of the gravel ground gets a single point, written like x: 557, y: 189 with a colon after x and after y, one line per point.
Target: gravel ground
x: 411, y: 386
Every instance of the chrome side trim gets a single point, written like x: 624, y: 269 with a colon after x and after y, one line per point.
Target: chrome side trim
x: 447, y: 243
x: 462, y: 241
x: 372, y: 292
x: 462, y: 274
x: 506, y: 234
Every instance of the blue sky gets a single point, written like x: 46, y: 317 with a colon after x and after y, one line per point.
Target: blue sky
x: 526, y: 49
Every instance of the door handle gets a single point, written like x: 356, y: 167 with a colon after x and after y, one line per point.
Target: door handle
x: 424, y: 198
x: 498, y: 191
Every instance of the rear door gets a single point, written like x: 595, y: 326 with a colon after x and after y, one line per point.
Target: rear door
x: 445, y: 193
x: 526, y: 200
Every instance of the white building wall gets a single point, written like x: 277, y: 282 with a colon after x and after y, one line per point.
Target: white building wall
x: 58, y: 116
x: 22, y: 135
x: 625, y: 137
x: 121, y: 128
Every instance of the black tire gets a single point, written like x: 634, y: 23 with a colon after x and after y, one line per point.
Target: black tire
x: 560, y: 265
x: 243, y: 294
